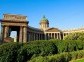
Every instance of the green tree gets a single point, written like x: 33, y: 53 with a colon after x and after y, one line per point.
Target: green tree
x: 75, y: 36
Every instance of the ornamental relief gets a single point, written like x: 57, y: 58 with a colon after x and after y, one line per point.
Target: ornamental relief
x: 14, y: 17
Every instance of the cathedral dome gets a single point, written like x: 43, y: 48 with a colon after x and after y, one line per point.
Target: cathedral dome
x: 44, y: 20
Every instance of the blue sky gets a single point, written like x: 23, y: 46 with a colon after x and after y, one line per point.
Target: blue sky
x: 62, y: 14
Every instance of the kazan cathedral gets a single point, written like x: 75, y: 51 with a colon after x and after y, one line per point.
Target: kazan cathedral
x: 27, y: 33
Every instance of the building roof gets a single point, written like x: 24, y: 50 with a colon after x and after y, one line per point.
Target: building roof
x: 33, y: 29
x: 53, y: 30
x: 44, y: 19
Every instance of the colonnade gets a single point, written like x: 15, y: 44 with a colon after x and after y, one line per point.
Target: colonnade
x: 56, y: 35
x: 43, y: 36
x: 35, y: 36
x: 24, y: 36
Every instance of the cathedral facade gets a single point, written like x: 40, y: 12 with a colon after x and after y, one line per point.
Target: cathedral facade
x: 27, y: 33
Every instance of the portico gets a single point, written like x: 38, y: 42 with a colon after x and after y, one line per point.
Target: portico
x: 53, y: 33
x: 13, y: 24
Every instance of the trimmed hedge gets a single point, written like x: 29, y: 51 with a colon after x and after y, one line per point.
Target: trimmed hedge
x: 62, y: 57
x: 68, y: 45
x: 43, y: 48
x: 9, y: 52
x: 17, y: 52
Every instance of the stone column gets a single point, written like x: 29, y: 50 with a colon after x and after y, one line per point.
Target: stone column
x: 63, y: 36
x: 51, y: 35
x: 54, y: 36
x: 57, y: 35
x: 45, y: 36
x: 6, y: 29
x: 20, y: 34
x: 24, y: 34
x: 2, y: 33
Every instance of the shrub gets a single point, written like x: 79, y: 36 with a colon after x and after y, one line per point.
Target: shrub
x: 14, y: 52
x: 63, y: 57
x: 42, y: 48
x: 22, y: 55
x: 40, y: 59
x: 68, y: 45
x: 17, y: 52
x: 62, y: 47
x: 75, y: 36
x: 9, y: 51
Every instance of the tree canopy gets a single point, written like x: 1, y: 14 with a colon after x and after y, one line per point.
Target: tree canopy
x: 75, y: 36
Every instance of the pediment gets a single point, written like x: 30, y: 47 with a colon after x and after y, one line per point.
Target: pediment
x: 53, y: 30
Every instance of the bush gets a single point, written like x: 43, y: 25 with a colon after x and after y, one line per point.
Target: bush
x: 17, y: 52
x: 9, y: 51
x: 22, y: 55
x: 39, y: 59
x: 63, y: 57
x: 42, y: 48
x: 45, y: 48
x: 14, y: 52
x: 75, y: 36
x: 68, y: 45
